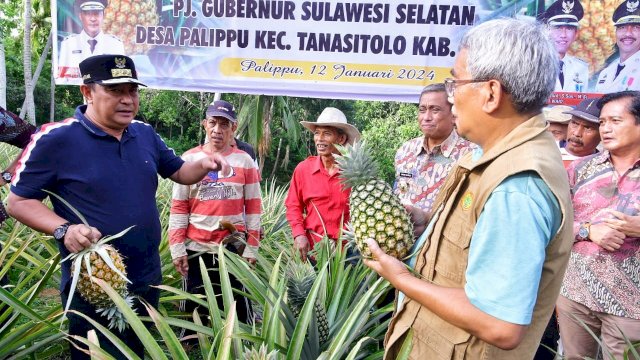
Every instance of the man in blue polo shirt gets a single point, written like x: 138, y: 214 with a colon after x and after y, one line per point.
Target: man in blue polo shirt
x: 106, y: 165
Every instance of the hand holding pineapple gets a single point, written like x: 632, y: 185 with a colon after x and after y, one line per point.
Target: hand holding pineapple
x: 80, y: 237
x: 385, y: 265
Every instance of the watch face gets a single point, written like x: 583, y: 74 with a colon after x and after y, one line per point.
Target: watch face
x: 6, y: 176
x: 583, y: 232
x: 60, y: 232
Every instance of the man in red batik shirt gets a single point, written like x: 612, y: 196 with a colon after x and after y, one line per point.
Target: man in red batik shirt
x: 316, y: 203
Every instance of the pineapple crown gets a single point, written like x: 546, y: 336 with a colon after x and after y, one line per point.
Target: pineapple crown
x: 356, y: 164
x: 300, y: 278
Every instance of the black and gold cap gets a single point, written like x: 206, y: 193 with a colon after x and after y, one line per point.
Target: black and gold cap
x: 563, y: 12
x: 90, y: 5
x: 627, y: 13
x: 109, y: 69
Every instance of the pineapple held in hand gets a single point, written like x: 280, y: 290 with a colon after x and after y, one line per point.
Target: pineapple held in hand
x: 376, y: 212
x: 98, y: 261
x: 101, y: 261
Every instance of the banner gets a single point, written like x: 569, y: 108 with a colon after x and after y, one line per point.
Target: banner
x: 384, y: 50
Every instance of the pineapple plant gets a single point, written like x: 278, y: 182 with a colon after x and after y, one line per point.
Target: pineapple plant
x: 300, y: 279
x: 260, y: 354
x: 102, y: 261
x: 376, y: 212
x: 121, y: 18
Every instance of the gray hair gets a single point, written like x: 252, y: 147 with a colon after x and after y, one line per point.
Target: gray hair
x: 439, y: 88
x: 517, y: 53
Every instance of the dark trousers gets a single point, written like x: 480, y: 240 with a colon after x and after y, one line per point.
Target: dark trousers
x: 195, y: 286
x: 550, y: 339
x: 79, y: 326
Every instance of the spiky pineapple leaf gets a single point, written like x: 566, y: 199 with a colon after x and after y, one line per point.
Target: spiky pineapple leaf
x: 356, y: 164
x: 227, y: 294
x: 170, y: 339
x: 405, y: 349
x: 117, y: 342
x: 134, y: 321
x: 225, y: 349
x: 104, y: 254
x: 67, y: 204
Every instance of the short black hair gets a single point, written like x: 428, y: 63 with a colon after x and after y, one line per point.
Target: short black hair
x: 634, y: 106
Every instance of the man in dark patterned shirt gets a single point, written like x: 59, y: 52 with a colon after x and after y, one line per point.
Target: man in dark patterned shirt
x: 601, y: 287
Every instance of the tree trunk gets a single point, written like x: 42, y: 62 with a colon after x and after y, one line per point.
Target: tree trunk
x: 52, y: 106
x: 3, y: 75
x: 26, y: 56
x: 34, y: 80
x: 275, y: 163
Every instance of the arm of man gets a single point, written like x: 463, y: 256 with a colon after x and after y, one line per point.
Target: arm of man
x: 498, y: 314
x: 629, y: 225
x: 295, y: 210
x: 451, y: 304
x: 193, y: 171
x: 38, y: 216
x: 252, y: 209
x: 178, y: 222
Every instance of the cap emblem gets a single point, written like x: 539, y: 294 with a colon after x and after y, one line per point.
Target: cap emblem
x: 120, y: 63
x: 567, y: 6
x: 632, y: 5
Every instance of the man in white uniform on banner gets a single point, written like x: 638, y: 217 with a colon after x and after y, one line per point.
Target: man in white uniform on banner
x: 562, y: 17
x: 90, y: 41
x: 623, y: 73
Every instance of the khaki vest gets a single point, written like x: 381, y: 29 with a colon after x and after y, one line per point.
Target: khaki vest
x: 443, y: 258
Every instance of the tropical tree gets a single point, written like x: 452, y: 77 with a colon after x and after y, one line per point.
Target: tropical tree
x: 26, y: 57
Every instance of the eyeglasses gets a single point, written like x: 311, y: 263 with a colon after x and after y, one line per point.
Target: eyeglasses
x: 450, y: 84
x: 223, y: 123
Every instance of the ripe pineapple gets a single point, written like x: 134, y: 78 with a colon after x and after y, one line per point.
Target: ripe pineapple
x: 121, y: 18
x: 101, y: 261
x: 376, y: 212
x: 300, y: 278
x: 89, y: 290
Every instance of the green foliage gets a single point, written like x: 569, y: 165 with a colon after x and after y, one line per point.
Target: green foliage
x: 387, y: 133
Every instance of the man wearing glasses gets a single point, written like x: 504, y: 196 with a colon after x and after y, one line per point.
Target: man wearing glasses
x: 494, y: 252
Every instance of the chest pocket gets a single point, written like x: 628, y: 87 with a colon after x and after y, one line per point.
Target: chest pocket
x: 454, y: 248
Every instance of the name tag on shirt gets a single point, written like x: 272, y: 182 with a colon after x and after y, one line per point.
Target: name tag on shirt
x: 406, y: 175
x: 76, y: 52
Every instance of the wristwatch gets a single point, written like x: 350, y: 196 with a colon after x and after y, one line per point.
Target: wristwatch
x: 583, y: 231
x: 61, y: 231
x: 7, y: 176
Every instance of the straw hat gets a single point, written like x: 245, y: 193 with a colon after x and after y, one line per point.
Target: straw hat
x: 335, y: 118
x: 558, y: 114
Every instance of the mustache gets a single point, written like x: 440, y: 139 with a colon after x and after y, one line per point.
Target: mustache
x: 576, y: 140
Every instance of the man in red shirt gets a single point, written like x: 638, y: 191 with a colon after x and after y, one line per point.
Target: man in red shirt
x: 316, y: 203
